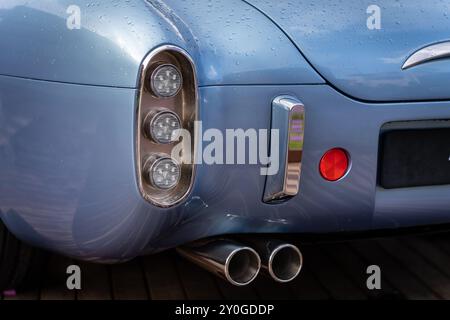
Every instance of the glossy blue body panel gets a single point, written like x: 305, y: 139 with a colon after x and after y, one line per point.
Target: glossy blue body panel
x: 67, y: 130
x: 68, y: 181
x: 364, y: 63
x: 116, y: 36
x: 67, y: 168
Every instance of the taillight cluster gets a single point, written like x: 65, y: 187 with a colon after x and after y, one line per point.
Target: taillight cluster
x: 167, y: 107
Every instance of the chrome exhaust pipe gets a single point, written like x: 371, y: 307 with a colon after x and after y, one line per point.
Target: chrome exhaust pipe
x: 236, y: 263
x: 280, y: 260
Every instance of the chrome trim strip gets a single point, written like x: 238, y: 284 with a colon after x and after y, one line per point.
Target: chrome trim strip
x: 288, y: 116
x: 429, y: 53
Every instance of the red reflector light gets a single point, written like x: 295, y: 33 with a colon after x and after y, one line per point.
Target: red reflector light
x: 334, y: 164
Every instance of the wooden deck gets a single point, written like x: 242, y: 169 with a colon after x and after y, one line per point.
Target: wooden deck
x: 413, y: 267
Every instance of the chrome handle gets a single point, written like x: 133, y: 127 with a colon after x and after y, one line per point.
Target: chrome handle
x: 288, y: 116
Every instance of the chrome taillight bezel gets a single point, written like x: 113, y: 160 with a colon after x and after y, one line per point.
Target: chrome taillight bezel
x: 184, y: 104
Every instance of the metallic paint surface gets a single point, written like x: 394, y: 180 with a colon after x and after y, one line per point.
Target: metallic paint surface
x: 67, y: 175
x: 363, y: 63
x: 67, y: 180
x: 115, y: 36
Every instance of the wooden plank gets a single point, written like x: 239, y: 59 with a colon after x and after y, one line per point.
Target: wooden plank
x: 331, y: 276
x: 128, y: 281
x: 232, y: 292
x: 306, y: 286
x: 429, y: 251
x: 26, y: 294
x: 267, y: 289
x: 355, y: 269
x: 162, y: 278
x: 54, y: 285
x: 32, y: 281
x: 396, y: 274
x: 440, y: 240
x: 198, y: 284
x: 430, y: 276
x: 412, y: 267
x: 95, y: 283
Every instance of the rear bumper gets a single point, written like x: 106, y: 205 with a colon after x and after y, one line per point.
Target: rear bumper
x: 231, y: 195
x: 68, y: 182
x: 67, y: 178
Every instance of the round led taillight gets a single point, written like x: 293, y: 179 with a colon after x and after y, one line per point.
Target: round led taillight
x: 164, y: 127
x: 334, y: 164
x: 166, y: 81
x: 164, y: 173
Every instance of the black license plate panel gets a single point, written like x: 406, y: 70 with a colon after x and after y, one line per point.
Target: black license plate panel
x: 417, y: 157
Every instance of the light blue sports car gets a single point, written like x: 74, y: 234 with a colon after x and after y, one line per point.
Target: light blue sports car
x: 216, y: 127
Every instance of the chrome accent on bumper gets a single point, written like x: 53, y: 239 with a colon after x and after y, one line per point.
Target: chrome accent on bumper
x: 288, y: 116
x: 429, y: 53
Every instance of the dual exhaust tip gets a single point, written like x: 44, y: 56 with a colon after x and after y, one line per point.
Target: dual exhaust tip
x: 239, y: 263
x: 285, y: 262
